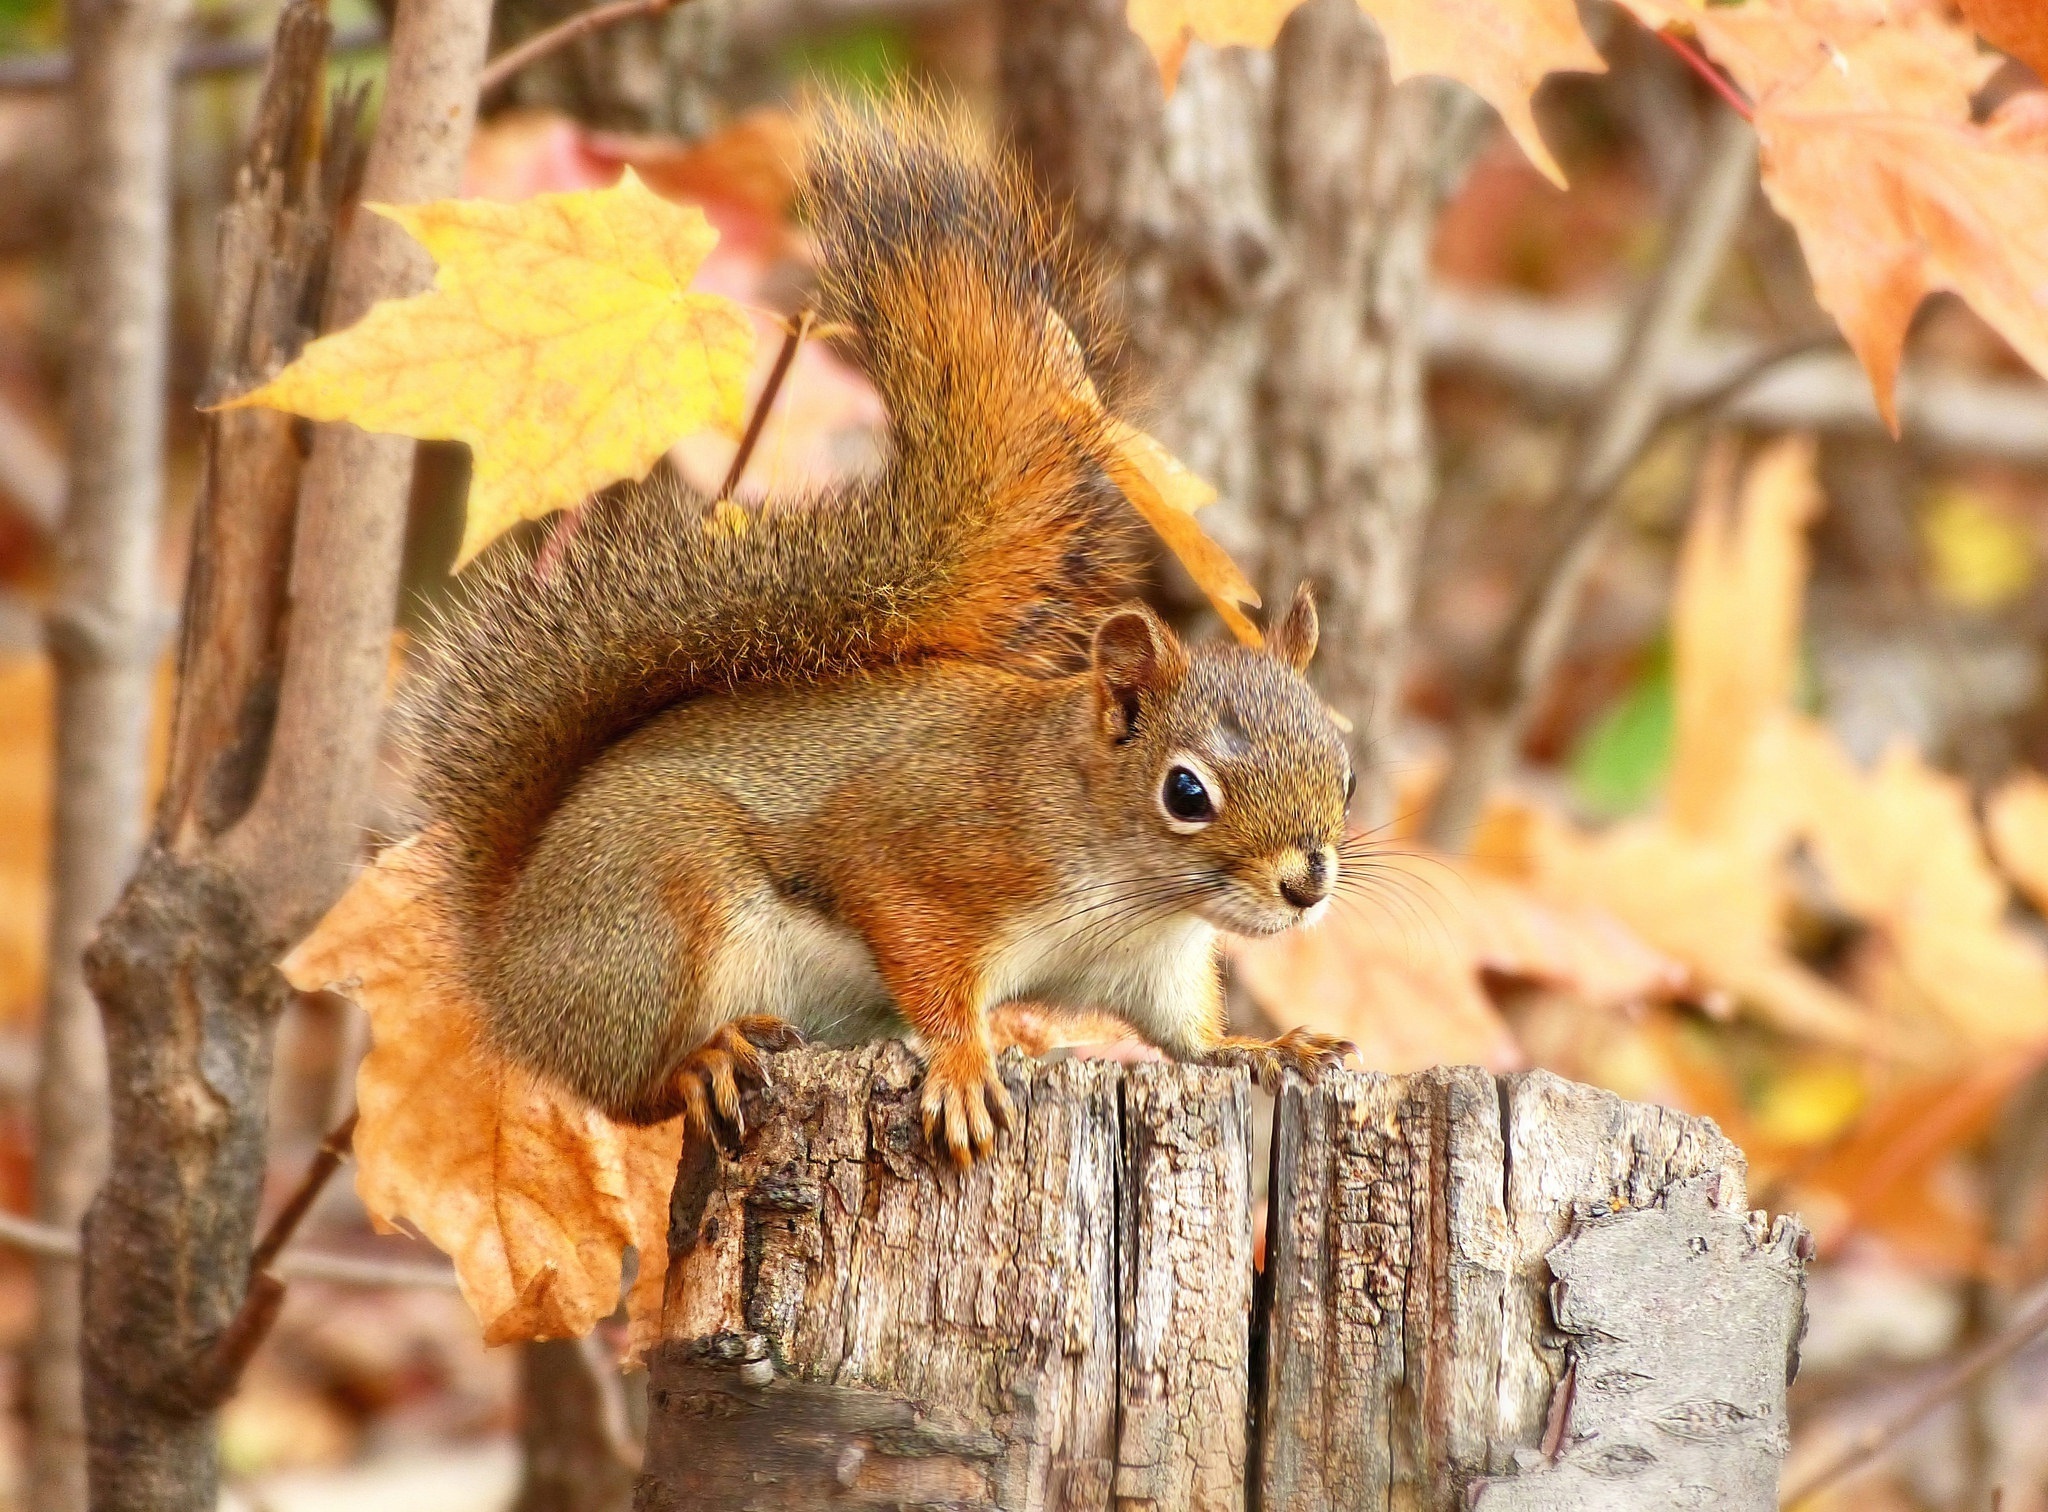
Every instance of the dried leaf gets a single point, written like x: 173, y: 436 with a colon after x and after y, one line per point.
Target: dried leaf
x: 531, y: 1193
x: 560, y: 341
x: 1161, y: 488
x: 1891, y: 208
x: 1500, y: 48
x: 2018, y: 26
x: 1735, y: 626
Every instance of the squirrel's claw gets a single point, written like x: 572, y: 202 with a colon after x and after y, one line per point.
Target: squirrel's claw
x: 710, y: 1077
x: 965, y: 1101
x: 1306, y: 1052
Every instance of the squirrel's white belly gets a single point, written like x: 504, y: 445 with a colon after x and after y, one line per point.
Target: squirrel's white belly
x: 790, y: 963
x: 1159, y: 976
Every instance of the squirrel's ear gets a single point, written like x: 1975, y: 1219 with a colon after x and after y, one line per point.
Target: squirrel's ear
x: 1293, y: 640
x: 1135, y: 653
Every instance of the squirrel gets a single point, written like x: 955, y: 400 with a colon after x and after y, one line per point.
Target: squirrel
x: 718, y: 778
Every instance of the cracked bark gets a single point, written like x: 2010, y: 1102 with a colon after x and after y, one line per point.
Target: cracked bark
x: 1271, y: 223
x: 1073, y: 1325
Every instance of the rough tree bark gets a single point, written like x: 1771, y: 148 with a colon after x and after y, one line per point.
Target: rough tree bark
x: 287, y: 618
x: 1272, y: 221
x: 1074, y: 1324
x: 103, y: 638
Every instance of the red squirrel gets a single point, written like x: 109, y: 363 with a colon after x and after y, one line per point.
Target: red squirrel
x: 845, y: 766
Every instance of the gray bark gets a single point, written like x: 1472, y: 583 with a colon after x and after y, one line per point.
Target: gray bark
x: 1074, y: 1325
x: 279, y: 702
x: 103, y: 638
x: 1272, y: 223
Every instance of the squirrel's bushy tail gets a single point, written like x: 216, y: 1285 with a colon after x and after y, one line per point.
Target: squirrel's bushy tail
x: 991, y: 533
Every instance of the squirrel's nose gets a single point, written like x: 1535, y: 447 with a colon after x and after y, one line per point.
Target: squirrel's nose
x: 1311, y: 884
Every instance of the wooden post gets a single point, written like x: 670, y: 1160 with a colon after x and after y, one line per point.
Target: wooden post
x: 1504, y: 1293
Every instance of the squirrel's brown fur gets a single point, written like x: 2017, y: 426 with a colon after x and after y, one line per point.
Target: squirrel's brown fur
x: 700, y: 756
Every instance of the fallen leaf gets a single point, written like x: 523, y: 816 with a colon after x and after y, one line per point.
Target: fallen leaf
x: 560, y: 341
x: 531, y: 1193
x: 1502, y: 49
x: 1735, y: 627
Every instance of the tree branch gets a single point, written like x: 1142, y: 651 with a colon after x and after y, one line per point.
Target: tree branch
x: 1559, y: 356
x: 103, y: 638
x: 556, y: 37
x: 1613, y: 437
x: 42, y: 1239
x: 2029, y: 1323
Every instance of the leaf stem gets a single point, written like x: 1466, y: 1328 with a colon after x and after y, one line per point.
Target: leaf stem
x: 1718, y: 81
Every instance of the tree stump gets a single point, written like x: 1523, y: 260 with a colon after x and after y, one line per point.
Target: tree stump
x: 1476, y: 1294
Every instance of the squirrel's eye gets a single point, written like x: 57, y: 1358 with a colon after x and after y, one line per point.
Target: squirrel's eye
x: 1185, y: 798
x: 1350, y: 787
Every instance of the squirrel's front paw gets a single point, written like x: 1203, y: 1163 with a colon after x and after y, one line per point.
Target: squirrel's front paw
x: 708, y: 1081
x: 1304, y: 1051
x: 966, y: 1100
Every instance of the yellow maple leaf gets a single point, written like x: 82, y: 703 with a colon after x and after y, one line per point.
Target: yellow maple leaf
x: 532, y: 1194
x: 1500, y: 48
x: 560, y: 341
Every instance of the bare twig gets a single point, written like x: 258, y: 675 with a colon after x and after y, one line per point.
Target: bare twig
x: 560, y: 35
x: 103, y: 637
x: 1622, y: 421
x: 2029, y: 1323
x: 334, y: 1149
x: 34, y: 1238
x: 1558, y: 356
x: 756, y: 422
x: 214, y: 1379
x: 38, y: 73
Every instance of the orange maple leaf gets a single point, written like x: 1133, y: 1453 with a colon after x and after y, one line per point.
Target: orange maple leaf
x: 532, y: 1194
x: 2018, y: 26
x: 1501, y: 48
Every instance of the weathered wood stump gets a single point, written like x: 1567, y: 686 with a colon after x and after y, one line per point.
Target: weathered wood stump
x: 1506, y: 1293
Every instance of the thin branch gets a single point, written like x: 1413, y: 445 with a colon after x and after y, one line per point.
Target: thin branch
x: 334, y: 1149
x: 1559, y: 357
x: 48, y: 72
x: 1613, y: 437
x: 1879, y: 1438
x: 348, y: 1270
x: 792, y: 338
x: 613, y: 1421
x: 43, y: 1239
x: 560, y: 35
